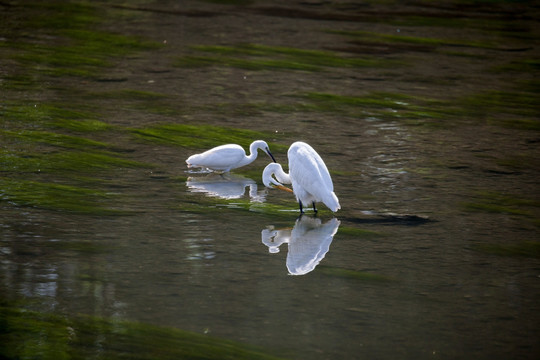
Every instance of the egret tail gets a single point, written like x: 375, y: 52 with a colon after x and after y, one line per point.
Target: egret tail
x: 332, y: 202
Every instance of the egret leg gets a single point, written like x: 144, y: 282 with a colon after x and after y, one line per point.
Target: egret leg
x: 314, y: 208
x: 301, y: 209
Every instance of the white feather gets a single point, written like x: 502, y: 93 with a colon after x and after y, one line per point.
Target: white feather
x: 227, y: 157
x: 308, y: 174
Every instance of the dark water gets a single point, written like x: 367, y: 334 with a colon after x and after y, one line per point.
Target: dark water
x: 434, y: 157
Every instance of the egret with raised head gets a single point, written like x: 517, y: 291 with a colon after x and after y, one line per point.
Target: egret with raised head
x: 227, y: 157
x: 310, y: 179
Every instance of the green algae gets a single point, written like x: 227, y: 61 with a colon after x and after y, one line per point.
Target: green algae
x: 55, y: 139
x: 398, y: 38
x: 63, y: 162
x: 78, y: 50
x: 499, y: 203
x: 54, y: 196
x: 519, y: 103
x: 514, y: 109
x: 59, y: 169
x: 202, y: 136
x: 35, y: 335
x: 18, y: 113
x: 263, y: 57
x: 90, y: 53
x: 410, y: 110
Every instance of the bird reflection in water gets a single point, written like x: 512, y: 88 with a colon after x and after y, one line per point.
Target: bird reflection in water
x: 225, y: 186
x: 308, y: 242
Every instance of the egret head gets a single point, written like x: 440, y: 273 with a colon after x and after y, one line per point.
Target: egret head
x: 261, y: 144
x: 268, y: 171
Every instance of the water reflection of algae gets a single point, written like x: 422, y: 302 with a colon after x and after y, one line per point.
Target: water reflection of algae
x: 309, y: 241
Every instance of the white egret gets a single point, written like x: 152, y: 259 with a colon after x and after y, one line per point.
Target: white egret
x: 227, y: 157
x: 310, y: 179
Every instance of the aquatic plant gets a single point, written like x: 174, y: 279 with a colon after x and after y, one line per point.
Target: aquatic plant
x: 202, y: 136
x: 494, y: 202
x: 53, y: 196
x: 263, y: 57
x: 36, y: 335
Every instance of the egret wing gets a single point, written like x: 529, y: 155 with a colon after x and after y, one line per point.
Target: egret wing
x: 308, y: 170
x: 221, y: 157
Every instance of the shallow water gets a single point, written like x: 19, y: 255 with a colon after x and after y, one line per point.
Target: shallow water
x: 433, y: 150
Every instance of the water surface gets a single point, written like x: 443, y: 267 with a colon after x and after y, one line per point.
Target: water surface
x: 425, y: 115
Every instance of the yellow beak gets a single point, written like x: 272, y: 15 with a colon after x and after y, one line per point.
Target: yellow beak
x: 284, y: 188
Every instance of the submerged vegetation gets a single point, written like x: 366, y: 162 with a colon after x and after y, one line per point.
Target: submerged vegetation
x: 264, y: 57
x: 33, y: 335
x: 52, y: 156
x: 78, y: 50
x: 202, y: 136
x: 372, y: 37
x: 51, y: 196
x: 499, y: 203
x: 70, y: 132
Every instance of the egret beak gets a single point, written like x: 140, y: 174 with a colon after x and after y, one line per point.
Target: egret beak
x: 270, y: 154
x: 284, y: 188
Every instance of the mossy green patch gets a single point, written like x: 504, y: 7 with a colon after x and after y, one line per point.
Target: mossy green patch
x: 494, y: 208
x: 52, y: 196
x: 25, y: 114
x: 407, y: 109
x: 393, y: 38
x: 59, y: 15
x: 516, y: 109
x: 203, y: 136
x: 55, y: 139
x: 33, y: 335
x: 263, y: 57
x: 494, y: 202
x: 520, y: 103
x: 62, y: 162
x: 79, y: 49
